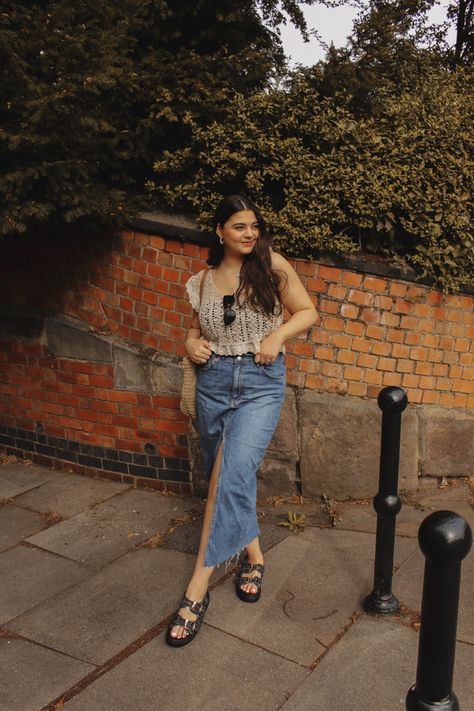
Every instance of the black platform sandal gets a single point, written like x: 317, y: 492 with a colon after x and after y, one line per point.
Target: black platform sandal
x: 246, y: 567
x: 191, y: 626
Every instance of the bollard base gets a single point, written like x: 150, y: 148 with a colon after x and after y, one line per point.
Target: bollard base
x: 415, y: 703
x: 386, y: 605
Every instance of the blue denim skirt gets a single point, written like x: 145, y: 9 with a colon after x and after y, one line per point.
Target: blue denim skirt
x: 238, y: 404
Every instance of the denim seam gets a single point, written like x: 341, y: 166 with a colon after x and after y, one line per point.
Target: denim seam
x: 214, y: 508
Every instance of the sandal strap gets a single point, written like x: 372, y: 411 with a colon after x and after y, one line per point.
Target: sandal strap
x: 189, y: 625
x: 196, y: 606
x: 253, y: 581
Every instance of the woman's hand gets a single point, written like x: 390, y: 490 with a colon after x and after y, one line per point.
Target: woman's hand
x: 198, y: 349
x: 270, y: 346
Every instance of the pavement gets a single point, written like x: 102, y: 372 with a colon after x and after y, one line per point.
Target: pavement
x: 92, y: 570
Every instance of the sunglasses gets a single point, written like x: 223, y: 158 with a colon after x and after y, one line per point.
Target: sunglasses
x: 229, y: 313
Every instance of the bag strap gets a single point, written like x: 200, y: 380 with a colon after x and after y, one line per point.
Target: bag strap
x: 201, y: 286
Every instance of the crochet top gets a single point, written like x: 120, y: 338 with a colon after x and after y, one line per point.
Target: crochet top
x: 247, y: 330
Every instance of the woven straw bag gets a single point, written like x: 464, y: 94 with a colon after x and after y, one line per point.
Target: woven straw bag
x: 188, y: 390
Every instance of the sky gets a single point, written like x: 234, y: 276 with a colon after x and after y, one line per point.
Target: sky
x: 334, y: 25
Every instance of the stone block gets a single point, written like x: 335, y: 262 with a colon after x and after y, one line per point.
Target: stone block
x: 166, y: 378
x: 276, y: 477
x: 284, y: 443
x: 131, y: 370
x: 447, y: 442
x: 340, y: 446
x: 69, y: 338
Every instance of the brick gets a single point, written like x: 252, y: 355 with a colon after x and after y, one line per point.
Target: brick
x: 351, y: 279
x: 383, y: 302
x: 375, y: 377
x: 317, y: 286
x: 330, y: 273
x: 423, y: 368
x: 374, y: 284
x: 361, y: 298
x: 308, y: 366
x: 431, y: 341
x: 409, y: 322
x: 334, y: 385
x: 395, y: 336
x: 373, y: 391
x: 456, y: 329
x: 462, y: 345
x: 386, y: 364
x: 422, y: 310
x: 418, y: 353
x: 305, y: 268
x: 304, y: 349
x: 405, y: 366
x: 413, y: 338
x: 346, y: 357
x: 329, y: 307
x: 434, y: 356
x: 435, y: 298
x: 460, y: 400
x: 337, y: 291
x: 296, y: 379
x: 331, y: 370
x: 355, y: 328
x: 324, y: 353
x: 397, y: 289
x: 361, y: 345
x: 450, y: 357
x: 314, y: 381
x: 166, y: 302
x: 353, y: 373
x: 392, y: 379
x: 358, y: 389
x: 349, y: 311
x: 376, y: 332
x: 443, y: 384
x: 366, y: 361
x: 430, y: 397
x: 371, y: 316
x: 466, y: 359
x: 440, y: 369
x: 446, y: 399
x: 438, y: 313
x: 454, y: 315
x: 463, y: 386
x: 334, y: 324
x: 427, y: 382
x: 410, y: 381
x: 382, y: 348
x: 341, y: 340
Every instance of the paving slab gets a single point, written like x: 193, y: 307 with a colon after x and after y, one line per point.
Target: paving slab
x: 29, y: 576
x: 221, y: 672
x: 70, y: 494
x: 31, y: 676
x: 371, y: 668
x: 111, y: 529
x: 17, y: 477
x: 186, y: 538
x: 16, y: 524
x: 98, y: 617
x: 408, y: 587
x: 312, y: 587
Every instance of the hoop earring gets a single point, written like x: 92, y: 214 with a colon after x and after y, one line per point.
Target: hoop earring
x: 221, y: 240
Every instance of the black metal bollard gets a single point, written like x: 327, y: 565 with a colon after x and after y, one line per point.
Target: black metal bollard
x: 392, y: 401
x: 445, y: 539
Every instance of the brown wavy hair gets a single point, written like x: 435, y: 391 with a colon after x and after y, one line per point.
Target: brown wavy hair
x: 258, y: 281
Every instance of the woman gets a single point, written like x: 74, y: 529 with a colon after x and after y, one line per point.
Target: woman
x: 237, y: 341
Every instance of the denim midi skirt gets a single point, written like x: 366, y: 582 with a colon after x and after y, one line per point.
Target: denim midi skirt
x: 238, y: 404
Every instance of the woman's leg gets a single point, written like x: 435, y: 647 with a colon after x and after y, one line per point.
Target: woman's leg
x: 200, y: 578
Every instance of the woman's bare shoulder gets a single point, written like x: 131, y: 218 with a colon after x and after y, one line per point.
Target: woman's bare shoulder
x: 279, y: 262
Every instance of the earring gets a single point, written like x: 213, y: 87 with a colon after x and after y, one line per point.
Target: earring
x: 221, y: 240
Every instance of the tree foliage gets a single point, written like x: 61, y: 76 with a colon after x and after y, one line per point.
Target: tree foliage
x: 398, y: 182
x: 90, y: 92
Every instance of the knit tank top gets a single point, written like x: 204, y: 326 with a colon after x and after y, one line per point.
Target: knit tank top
x: 247, y: 330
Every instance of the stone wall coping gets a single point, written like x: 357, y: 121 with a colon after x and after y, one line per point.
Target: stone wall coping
x: 185, y: 228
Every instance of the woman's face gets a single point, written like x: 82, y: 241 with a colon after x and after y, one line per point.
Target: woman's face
x: 240, y: 232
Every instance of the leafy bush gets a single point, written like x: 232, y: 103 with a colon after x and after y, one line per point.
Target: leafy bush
x: 398, y: 182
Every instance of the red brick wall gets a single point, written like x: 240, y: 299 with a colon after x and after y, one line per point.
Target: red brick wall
x: 373, y: 332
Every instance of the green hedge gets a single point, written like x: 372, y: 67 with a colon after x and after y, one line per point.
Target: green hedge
x: 398, y: 183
